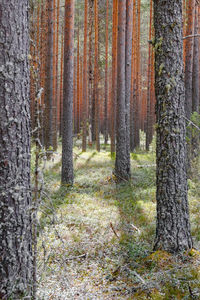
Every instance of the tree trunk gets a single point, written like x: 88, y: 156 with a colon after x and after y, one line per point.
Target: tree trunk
x: 133, y: 83
x: 122, y: 163
x: 67, y: 137
x: 173, y: 225
x: 128, y: 62
x: 85, y: 85
x: 148, y: 124
x: 114, y: 74
x: 195, y: 73
x: 188, y: 59
x: 49, y: 80
x: 96, y: 74
x: 16, y: 276
x: 106, y: 79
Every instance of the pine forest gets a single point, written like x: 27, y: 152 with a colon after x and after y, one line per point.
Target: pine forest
x: 99, y: 149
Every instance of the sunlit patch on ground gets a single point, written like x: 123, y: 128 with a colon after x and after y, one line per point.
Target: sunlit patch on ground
x: 96, y: 239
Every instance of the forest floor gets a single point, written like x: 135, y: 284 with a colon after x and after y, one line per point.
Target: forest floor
x: 96, y: 238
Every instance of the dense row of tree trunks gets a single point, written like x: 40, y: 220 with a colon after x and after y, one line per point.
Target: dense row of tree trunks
x: 16, y: 271
x: 173, y: 226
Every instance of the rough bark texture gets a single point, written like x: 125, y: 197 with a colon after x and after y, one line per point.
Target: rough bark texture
x: 122, y: 166
x: 148, y: 123
x: 85, y: 84
x: 133, y: 82
x: 106, y: 78
x: 96, y: 74
x: 189, y: 43
x: 173, y: 226
x: 128, y: 58
x: 195, y: 73
x: 114, y: 74
x: 49, y: 80
x: 15, y: 193
x: 67, y: 137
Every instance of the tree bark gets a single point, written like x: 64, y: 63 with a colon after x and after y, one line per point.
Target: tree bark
x: 85, y: 85
x: 122, y: 166
x: 67, y: 137
x: 16, y: 270
x: 49, y: 80
x: 96, y: 75
x: 128, y: 61
x: 189, y: 43
x: 114, y: 74
x: 173, y: 225
x: 106, y: 79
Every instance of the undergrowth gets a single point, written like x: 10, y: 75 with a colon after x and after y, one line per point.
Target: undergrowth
x: 96, y: 238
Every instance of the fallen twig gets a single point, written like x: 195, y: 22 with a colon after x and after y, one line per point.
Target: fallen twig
x: 113, y: 229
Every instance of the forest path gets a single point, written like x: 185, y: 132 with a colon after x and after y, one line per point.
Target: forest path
x: 96, y: 237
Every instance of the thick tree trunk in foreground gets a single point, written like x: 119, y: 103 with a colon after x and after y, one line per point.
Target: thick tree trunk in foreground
x: 173, y: 225
x: 15, y: 194
x: 67, y: 132
x: 122, y: 162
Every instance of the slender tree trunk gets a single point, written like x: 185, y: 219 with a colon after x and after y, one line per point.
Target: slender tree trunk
x: 195, y: 73
x: 133, y: 71
x: 106, y: 79
x: 148, y: 125
x: 189, y: 43
x: 128, y: 62
x: 67, y: 138
x: 49, y: 80
x: 54, y: 77
x: 57, y: 69
x: 138, y: 80
x: 114, y: 74
x: 173, y: 225
x: 78, y: 85
x: 96, y: 75
x: 85, y: 84
x: 122, y: 163
x: 61, y: 81
x: 16, y: 270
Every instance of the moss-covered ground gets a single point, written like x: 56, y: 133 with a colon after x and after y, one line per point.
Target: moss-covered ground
x: 96, y: 238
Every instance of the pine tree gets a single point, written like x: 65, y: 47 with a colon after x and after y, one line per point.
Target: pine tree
x: 67, y: 130
x: 173, y: 225
x: 16, y: 270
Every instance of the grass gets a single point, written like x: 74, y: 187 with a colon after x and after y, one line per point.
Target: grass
x: 96, y: 239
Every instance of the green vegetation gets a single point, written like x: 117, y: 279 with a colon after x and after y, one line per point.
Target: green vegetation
x: 96, y: 239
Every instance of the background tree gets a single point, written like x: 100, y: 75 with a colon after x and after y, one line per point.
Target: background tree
x: 122, y: 162
x: 67, y: 131
x: 15, y: 192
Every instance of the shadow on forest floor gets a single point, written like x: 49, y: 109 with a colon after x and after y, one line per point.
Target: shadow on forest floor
x: 100, y: 243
